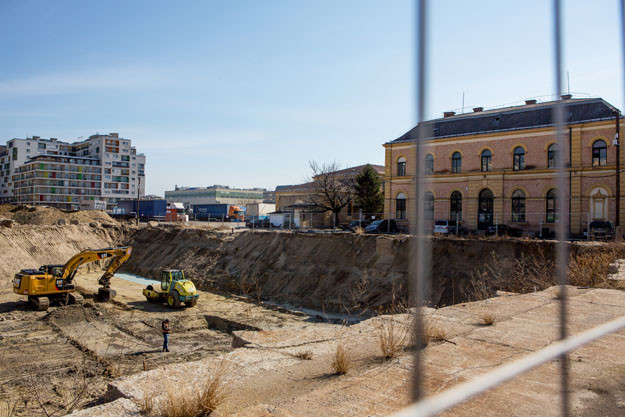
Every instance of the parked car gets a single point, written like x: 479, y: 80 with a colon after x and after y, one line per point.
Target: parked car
x: 447, y: 227
x: 258, y: 223
x: 601, y: 229
x: 504, y: 230
x: 355, y: 224
x: 382, y: 226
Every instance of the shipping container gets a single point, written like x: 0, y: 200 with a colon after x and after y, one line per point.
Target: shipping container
x: 148, y: 209
x: 218, y: 212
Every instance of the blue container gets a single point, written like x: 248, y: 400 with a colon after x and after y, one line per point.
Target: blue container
x: 148, y: 209
x: 210, y: 211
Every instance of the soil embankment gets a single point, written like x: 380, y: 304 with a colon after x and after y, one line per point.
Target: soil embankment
x: 32, y: 246
x: 352, y: 273
x: 35, y: 236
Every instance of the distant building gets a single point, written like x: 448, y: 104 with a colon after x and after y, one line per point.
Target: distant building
x: 62, y: 174
x: 297, y: 199
x: 269, y: 197
x: 217, y: 194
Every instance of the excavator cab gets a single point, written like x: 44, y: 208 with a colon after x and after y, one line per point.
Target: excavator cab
x: 54, y: 270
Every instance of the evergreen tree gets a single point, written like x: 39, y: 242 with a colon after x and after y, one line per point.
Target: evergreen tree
x: 367, y: 191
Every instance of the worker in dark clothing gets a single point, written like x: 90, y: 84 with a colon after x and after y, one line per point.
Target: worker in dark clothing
x: 166, y: 330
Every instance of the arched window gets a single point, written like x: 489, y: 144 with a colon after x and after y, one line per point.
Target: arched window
x: 428, y: 206
x: 485, y: 209
x: 400, y: 206
x: 519, y: 158
x: 599, y: 153
x: 455, y: 206
x: 401, y: 167
x: 456, y: 163
x: 518, y: 206
x: 429, y: 164
x: 550, y: 206
x: 487, y: 157
x: 551, y: 155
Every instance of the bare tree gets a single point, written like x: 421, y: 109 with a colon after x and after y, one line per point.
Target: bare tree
x: 330, y: 189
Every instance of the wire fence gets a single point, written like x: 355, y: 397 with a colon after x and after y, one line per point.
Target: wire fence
x: 562, y: 224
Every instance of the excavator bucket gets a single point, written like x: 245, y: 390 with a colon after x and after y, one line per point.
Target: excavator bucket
x: 106, y: 294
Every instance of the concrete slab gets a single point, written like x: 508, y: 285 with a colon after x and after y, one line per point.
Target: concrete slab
x: 118, y: 408
x: 261, y: 370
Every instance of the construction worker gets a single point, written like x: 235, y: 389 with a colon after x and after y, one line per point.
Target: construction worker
x: 166, y: 330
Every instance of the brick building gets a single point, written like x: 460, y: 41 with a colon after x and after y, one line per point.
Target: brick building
x: 297, y: 199
x: 498, y: 166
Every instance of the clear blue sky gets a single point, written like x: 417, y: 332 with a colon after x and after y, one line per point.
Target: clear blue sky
x: 245, y: 93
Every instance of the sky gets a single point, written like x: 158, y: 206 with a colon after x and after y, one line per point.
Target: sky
x: 245, y: 93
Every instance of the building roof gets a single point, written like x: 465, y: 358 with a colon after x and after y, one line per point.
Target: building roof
x: 513, y: 118
x: 342, y: 172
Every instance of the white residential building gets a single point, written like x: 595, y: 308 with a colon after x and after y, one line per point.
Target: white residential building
x: 62, y: 174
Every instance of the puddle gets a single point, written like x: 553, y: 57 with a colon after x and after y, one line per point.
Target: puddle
x: 135, y: 278
x: 319, y: 315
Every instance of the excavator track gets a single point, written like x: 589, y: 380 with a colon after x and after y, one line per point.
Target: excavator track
x: 39, y: 303
x: 76, y: 298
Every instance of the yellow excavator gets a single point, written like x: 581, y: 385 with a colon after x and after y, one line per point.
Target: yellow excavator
x: 55, y: 283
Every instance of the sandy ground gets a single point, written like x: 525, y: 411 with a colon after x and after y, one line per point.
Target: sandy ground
x: 75, y: 351
x: 97, y: 353
x: 267, y: 377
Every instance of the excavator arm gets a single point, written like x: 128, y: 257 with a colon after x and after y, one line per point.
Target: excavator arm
x: 119, y: 255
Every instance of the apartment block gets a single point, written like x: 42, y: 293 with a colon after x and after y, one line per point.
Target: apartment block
x: 216, y: 194
x: 62, y: 174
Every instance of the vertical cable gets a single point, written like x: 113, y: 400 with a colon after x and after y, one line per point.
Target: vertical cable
x: 618, y: 115
x: 561, y: 218
x: 420, y: 262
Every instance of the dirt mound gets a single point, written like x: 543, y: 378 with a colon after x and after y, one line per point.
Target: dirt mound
x: 70, y: 314
x: 351, y: 273
x: 38, y: 215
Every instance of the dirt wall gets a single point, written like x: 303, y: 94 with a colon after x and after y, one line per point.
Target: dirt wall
x: 339, y: 272
x: 28, y: 246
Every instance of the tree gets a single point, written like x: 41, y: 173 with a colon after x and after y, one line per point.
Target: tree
x: 329, y: 188
x: 367, y: 191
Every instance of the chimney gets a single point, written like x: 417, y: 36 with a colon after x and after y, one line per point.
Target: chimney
x: 449, y: 113
x: 566, y: 96
x: 478, y: 109
x: 529, y: 102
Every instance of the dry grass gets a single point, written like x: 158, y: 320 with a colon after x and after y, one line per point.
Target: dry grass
x: 190, y: 403
x: 341, y: 362
x: 434, y: 333
x: 304, y: 355
x: 488, y: 319
x: 392, y: 337
x: 534, y: 270
x: 591, y: 269
x: 147, y: 405
x: 6, y: 409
